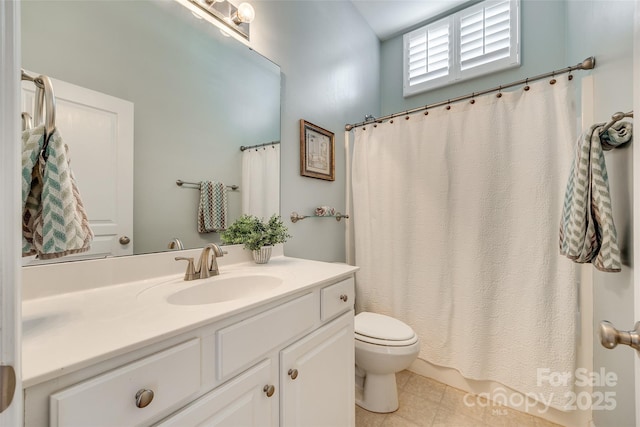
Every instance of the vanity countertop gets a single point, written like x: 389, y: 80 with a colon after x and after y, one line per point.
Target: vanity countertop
x: 67, y: 332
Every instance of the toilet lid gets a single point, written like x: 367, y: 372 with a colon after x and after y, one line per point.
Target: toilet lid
x: 382, y: 327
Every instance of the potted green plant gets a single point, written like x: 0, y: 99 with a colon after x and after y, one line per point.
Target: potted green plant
x: 256, y: 235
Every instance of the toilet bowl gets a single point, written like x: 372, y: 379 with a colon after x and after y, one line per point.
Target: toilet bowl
x: 383, y: 346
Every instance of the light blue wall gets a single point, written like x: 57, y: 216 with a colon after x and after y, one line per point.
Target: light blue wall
x: 605, y: 29
x: 329, y: 59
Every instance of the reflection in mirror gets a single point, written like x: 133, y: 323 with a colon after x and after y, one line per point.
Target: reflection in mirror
x: 196, y: 97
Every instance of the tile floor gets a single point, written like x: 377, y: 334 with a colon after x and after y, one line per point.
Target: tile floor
x: 425, y: 402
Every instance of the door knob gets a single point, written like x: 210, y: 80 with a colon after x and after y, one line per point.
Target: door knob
x: 610, y: 337
x: 7, y: 386
x: 293, y: 373
x: 124, y: 240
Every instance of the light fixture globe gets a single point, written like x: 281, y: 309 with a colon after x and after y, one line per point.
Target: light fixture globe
x: 245, y: 13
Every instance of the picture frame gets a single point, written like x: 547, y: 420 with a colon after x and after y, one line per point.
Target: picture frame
x: 317, y: 152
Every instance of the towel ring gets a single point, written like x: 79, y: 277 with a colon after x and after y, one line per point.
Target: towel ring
x: 45, y: 99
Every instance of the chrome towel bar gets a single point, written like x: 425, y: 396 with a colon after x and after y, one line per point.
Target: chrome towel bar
x: 180, y: 183
x: 295, y: 217
x: 616, y: 117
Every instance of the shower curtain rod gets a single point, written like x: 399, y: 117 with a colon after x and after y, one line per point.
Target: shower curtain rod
x: 587, y: 64
x: 244, y: 147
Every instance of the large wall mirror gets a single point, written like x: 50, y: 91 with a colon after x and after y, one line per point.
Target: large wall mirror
x: 197, y: 97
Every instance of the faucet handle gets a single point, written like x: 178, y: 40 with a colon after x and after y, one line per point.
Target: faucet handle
x: 190, y: 274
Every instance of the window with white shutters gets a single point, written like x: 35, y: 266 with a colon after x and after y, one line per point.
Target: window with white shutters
x: 429, y: 52
x: 481, y: 39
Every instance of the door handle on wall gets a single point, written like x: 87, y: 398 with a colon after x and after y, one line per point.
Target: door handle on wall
x: 610, y: 337
x: 7, y: 386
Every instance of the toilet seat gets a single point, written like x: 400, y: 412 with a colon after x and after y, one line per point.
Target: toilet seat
x: 379, y: 329
x: 375, y: 341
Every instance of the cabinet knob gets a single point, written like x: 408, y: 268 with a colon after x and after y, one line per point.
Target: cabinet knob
x: 269, y: 390
x: 124, y: 240
x: 344, y: 297
x: 293, y: 373
x: 144, y: 397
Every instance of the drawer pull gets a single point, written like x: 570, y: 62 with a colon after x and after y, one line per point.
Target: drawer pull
x: 344, y: 297
x: 144, y: 397
x: 269, y: 390
x: 293, y: 373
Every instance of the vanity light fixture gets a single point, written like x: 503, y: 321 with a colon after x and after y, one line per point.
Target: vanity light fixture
x: 236, y: 18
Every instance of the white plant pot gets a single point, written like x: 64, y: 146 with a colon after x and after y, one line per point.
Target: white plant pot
x: 262, y: 255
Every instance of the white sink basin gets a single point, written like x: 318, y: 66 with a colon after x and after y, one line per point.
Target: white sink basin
x: 221, y: 289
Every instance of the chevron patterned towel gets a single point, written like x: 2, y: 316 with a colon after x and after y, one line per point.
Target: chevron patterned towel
x: 587, y: 231
x: 212, y: 209
x: 60, y: 225
x: 32, y: 144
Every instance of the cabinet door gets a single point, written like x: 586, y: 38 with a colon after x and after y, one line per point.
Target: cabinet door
x: 317, y: 377
x: 241, y: 402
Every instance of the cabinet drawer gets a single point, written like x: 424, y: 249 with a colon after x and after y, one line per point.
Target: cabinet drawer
x: 337, y: 298
x: 243, y: 343
x: 110, y: 399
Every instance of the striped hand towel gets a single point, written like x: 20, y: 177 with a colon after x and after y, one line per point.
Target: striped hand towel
x: 212, y: 209
x: 587, y: 231
x: 61, y: 226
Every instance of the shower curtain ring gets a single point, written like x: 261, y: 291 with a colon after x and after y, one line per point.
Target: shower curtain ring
x: 553, y: 79
x: 570, y: 77
x: 473, y: 95
x: 407, y: 115
x: 499, y: 94
x: 526, y: 82
x: 449, y: 104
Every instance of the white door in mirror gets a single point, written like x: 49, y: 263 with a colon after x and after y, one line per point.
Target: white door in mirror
x: 98, y: 129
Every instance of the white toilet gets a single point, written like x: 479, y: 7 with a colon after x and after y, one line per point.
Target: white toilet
x: 384, y: 346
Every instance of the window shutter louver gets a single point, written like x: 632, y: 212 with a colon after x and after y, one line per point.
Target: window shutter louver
x: 485, y: 36
x: 429, y: 53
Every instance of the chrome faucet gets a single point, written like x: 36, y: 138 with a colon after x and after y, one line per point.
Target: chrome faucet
x: 205, y: 268
x: 176, y: 243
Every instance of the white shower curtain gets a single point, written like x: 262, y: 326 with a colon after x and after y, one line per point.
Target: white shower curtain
x: 456, y: 218
x: 261, y: 181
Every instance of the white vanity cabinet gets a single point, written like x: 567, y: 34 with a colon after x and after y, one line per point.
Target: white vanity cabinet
x: 317, y: 371
x: 317, y: 378
x: 248, y: 401
x: 287, y: 362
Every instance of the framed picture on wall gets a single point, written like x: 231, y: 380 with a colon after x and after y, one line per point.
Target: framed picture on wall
x: 317, y: 156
